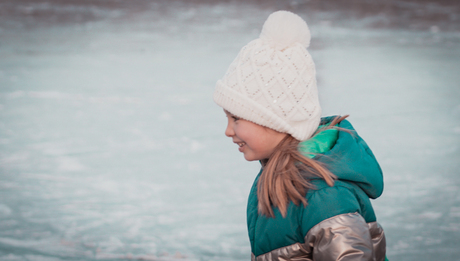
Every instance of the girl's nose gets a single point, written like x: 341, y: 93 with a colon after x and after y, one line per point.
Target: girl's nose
x: 229, y: 131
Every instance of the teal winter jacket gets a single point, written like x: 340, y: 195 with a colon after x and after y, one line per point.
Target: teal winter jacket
x: 338, y: 222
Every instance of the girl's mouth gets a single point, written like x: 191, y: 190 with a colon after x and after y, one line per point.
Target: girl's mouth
x: 241, y: 144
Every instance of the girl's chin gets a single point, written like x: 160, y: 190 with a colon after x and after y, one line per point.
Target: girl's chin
x: 247, y: 157
x: 250, y: 157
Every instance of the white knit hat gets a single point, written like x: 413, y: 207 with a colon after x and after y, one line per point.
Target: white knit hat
x: 272, y: 81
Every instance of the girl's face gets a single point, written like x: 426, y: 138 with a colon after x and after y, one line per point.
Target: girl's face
x: 255, y: 141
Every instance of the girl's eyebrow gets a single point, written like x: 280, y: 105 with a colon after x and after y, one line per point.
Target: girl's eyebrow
x: 229, y: 113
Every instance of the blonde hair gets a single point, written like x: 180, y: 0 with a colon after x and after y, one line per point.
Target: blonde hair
x: 281, y: 180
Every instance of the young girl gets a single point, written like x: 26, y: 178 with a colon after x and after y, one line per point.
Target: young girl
x: 310, y: 200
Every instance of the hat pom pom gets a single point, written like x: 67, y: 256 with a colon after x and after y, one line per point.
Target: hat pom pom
x: 283, y: 29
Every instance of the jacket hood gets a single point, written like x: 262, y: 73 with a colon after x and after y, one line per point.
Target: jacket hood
x: 351, y: 160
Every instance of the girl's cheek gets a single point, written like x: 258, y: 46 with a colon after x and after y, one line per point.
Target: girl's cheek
x: 238, y: 131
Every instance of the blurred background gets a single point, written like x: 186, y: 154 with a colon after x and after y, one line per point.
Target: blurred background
x: 111, y: 147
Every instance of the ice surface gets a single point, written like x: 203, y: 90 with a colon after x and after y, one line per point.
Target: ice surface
x: 112, y: 148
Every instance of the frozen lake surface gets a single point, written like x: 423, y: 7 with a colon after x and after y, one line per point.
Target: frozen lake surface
x: 111, y: 146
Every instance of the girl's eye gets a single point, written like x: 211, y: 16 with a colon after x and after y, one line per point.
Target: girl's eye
x: 235, y: 118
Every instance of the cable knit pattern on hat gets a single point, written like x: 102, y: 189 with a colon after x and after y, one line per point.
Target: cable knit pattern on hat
x: 272, y: 81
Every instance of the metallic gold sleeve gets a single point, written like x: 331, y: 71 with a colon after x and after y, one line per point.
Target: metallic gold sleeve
x: 344, y: 237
